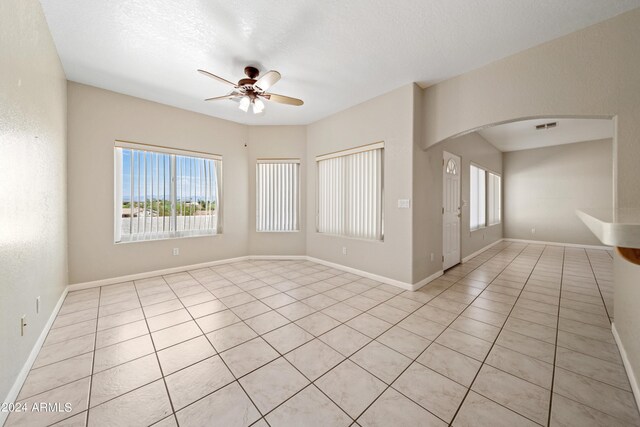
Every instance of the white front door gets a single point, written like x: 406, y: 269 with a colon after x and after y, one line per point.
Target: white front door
x: 451, y: 169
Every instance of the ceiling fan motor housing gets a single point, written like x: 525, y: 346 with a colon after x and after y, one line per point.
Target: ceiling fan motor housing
x: 251, y: 72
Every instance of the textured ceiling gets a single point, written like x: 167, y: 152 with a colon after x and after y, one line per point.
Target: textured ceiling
x: 523, y: 135
x: 332, y: 53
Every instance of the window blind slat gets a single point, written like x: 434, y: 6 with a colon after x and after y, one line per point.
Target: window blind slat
x: 277, y: 195
x: 350, y: 195
x: 179, y: 189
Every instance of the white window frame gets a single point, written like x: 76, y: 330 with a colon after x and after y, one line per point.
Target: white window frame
x: 173, y: 232
x: 481, y: 222
x: 494, y: 199
x: 347, y: 216
x: 285, y: 210
x: 488, y: 198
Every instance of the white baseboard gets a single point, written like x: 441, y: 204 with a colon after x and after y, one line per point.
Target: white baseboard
x: 138, y: 276
x: 570, y: 245
x: 633, y: 381
x: 403, y: 285
x: 479, y: 251
x: 278, y: 257
x: 12, y: 395
x: 426, y: 280
x: 148, y: 274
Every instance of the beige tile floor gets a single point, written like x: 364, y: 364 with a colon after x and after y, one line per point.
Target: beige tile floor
x: 518, y: 336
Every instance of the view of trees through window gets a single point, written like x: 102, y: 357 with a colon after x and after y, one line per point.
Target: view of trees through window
x: 163, y: 195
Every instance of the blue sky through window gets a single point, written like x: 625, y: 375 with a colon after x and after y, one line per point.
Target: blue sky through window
x: 196, y: 177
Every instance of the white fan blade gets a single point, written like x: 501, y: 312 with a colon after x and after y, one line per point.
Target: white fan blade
x: 220, y: 79
x: 222, y: 97
x: 267, y: 80
x: 283, y: 99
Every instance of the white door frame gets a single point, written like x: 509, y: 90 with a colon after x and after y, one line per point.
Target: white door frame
x: 451, y: 211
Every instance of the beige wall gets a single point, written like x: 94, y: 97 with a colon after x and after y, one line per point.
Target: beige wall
x: 544, y: 187
x: 428, y: 181
x: 96, y: 119
x: 592, y: 73
x: 277, y: 142
x: 33, y: 234
x: 386, y: 118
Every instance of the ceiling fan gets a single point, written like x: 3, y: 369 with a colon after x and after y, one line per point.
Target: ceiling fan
x: 252, y: 90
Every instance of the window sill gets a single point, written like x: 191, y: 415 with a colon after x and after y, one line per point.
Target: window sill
x: 484, y: 227
x: 167, y: 238
x: 277, y: 231
x: 361, y: 239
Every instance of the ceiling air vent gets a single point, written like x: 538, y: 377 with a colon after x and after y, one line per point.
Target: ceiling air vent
x: 547, y: 125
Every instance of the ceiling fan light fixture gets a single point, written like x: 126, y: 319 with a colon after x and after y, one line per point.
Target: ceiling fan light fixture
x: 251, y: 93
x: 244, y: 103
x: 258, y: 106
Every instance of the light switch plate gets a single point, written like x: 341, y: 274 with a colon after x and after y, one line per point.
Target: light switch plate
x: 404, y: 203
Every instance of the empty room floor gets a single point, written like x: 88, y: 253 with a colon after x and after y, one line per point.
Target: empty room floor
x: 518, y: 336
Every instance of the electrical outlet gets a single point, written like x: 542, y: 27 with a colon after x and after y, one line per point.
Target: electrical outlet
x: 23, y: 324
x: 344, y: 250
x: 176, y: 251
x: 38, y: 305
x: 432, y: 257
x: 533, y: 230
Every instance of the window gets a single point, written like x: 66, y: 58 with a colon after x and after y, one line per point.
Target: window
x: 477, y: 211
x: 164, y: 193
x: 494, y: 195
x: 277, y: 191
x: 350, y: 192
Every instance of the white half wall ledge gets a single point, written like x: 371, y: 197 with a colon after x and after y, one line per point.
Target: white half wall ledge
x: 633, y: 381
x: 620, y: 227
x: 12, y: 395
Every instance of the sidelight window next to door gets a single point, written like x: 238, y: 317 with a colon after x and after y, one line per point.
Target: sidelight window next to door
x: 485, y: 198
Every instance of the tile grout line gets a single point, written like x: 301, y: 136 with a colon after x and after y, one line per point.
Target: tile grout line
x: 423, y: 304
x: 606, y: 310
x: 155, y: 352
x: 315, y: 337
x: 297, y: 347
x: 217, y: 354
x: 93, y: 361
x: 494, y: 342
x: 432, y: 341
x: 555, y: 347
x: 320, y: 310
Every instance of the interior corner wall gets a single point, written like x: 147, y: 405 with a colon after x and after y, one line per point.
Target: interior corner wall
x: 33, y: 234
x: 424, y: 233
x: 96, y: 118
x: 470, y: 148
x: 589, y: 73
x: 387, y: 118
x: 277, y: 142
x: 544, y: 187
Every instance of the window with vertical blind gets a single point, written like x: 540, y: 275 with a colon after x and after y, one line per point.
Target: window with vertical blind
x: 477, y: 208
x: 350, y: 192
x: 494, y: 196
x: 277, y: 195
x: 164, y: 193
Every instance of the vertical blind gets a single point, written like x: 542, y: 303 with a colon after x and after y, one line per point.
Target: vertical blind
x: 350, y: 193
x: 165, y: 194
x: 477, y: 210
x: 494, y: 195
x: 277, y: 200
